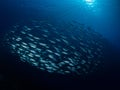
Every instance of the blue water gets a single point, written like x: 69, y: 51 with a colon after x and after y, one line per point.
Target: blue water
x: 102, y: 15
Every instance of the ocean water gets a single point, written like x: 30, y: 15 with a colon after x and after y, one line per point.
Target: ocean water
x: 59, y: 44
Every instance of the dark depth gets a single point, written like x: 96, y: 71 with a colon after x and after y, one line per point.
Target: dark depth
x: 100, y: 15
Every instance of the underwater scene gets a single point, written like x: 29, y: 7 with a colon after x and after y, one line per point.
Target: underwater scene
x: 59, y: 44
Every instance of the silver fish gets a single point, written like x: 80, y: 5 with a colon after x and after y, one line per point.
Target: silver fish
x: 56, y: 53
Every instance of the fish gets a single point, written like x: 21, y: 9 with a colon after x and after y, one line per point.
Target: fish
x: 32, y: 45
x: 43, y: 45
x: 49, y: 51
x: 65, y: 53
x: 45, y: 36
x: 18, y: 39
x: 51, y: 57
x: 30, y: 55
x: 22, y: 32
x: 51, y: 41
x: 56, y: 53
x: 27, y: 28
x: 58, y: 40
x: 65, y: 41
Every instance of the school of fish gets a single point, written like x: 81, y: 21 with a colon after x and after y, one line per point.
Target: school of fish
x: 74, y: 50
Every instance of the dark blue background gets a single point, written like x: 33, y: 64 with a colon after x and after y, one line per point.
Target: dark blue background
x: 104, y: 17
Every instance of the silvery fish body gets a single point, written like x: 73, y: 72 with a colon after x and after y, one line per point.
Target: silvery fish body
x: 77, y: 51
